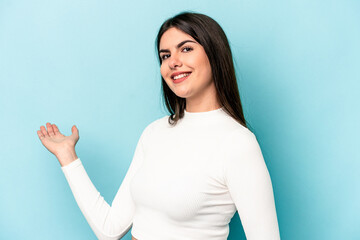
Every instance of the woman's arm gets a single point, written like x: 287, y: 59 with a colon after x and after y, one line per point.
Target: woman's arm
x: 250, y: 187
x: 107, y: 222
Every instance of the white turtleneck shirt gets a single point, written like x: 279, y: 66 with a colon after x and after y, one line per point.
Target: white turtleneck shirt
x: 185, y: 182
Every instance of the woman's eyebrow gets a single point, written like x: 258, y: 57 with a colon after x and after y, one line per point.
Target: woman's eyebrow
x: 177, y: 46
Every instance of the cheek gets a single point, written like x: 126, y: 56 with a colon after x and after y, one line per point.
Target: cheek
x: 205, y: 68
x: 163, y: 71
x: 201, y: 62
x: 208, y: 70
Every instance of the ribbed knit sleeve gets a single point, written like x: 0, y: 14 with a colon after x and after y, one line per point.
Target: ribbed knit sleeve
x: 250, y: 187
x: 107, y: 222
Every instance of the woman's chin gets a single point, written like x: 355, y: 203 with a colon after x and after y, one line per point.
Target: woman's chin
x: 182, y: 95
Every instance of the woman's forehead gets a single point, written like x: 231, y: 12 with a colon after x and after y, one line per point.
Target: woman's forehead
x: 172, y: 37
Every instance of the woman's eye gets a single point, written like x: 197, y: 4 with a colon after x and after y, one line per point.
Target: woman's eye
x: 187, y: 49
x: 165, y: 56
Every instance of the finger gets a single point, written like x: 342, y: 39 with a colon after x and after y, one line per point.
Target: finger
x: 56, y: 129
x: 41, y: 136
x: 44, y: 132
x: 74, y: 130
x: 50, y: 129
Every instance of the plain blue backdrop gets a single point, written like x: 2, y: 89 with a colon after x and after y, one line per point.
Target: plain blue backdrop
x: 93, y: 64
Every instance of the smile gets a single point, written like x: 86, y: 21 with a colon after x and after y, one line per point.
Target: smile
x: 181, y: 77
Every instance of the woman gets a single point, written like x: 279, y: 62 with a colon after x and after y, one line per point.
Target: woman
x: 193, y: 169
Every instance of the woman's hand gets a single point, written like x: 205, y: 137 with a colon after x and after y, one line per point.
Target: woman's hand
x: 63, y: 147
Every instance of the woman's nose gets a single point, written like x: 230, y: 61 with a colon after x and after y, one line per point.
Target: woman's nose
x: 174, y: 62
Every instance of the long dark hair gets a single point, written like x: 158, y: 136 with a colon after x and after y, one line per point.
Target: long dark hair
x: 208, y: 33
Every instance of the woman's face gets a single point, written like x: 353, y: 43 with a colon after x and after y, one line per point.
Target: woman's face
x: 185, y: 66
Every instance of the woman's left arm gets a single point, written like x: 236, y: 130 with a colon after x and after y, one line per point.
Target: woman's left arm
x: 250, y: 187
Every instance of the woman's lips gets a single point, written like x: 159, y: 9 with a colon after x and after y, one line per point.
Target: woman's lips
x: 181, y: 79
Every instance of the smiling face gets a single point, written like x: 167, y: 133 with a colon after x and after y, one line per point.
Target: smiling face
x: 185, y: 66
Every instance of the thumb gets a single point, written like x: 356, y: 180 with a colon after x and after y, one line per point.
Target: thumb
x: 74, y: 131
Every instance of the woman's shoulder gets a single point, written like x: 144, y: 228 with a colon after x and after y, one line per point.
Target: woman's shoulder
x: 236, y: 136
x: 233, y: 129
x: 155, y: 124
x: 227, y: 127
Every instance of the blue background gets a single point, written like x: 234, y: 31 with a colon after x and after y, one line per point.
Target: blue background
x: 93, y: 64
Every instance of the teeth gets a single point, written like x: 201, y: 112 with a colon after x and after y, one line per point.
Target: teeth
x: 181, y: 76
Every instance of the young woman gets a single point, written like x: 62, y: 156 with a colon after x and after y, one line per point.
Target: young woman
x: 193, y: 169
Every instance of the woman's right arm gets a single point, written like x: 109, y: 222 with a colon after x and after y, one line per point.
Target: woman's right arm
x: 107, y: 222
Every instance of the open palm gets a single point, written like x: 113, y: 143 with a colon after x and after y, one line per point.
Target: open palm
x: 55, y: 141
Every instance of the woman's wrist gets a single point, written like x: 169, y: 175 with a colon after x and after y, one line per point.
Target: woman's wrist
x: 66, y: 157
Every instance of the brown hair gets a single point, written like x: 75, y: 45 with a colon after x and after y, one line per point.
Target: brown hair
x: 208, y: 33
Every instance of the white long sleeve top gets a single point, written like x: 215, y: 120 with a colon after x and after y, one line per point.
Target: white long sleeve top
x: 185, y: 182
